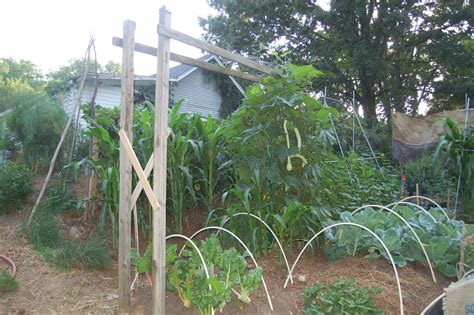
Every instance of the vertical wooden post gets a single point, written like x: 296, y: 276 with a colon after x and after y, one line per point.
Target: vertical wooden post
x: 417, y: 194
x: 126, y: 122
x: 159, y: 170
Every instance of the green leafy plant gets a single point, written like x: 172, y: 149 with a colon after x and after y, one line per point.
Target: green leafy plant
x: 15, y: 185
x: 8, y: 283
x: 180, y: 179
x: 212, y: 161
x: 458, y: 146
x: 441, y: 240
x: 341, y: 297
x: 37, y: 122
x: 185, y: 275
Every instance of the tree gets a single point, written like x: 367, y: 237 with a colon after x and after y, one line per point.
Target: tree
x: 23, y: 70
x: 380, y: 49
x: 36, y: 119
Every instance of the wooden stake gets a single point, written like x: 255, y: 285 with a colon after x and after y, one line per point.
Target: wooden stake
x: 159, y: 169
x: 126, y: 122
x: 92, y: 184
x: 63, y: 135
x: 417, y: 194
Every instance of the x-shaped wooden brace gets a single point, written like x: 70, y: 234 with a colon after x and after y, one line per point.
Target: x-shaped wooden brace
x: 142, y: 175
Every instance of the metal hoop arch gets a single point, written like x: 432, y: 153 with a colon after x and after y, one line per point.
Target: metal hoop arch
x: 199, y: 253
x: 373, y: 234
x: 411, y: 229
x: 271, y: 231
x: 243, y: 245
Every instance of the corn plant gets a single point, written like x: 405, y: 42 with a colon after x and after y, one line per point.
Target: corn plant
x: 180, y: 179
x: 212, y: 162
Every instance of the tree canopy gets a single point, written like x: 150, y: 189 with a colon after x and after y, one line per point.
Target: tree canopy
x: 393, y: 54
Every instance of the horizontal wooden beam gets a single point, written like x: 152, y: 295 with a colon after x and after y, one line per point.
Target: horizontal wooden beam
x: 190, y: 61
x: 166, y: 31
x: 215, y: 68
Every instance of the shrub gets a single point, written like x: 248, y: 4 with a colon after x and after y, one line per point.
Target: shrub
x: 341, y: 297
x: 15, y: 185
x: 37, y: 122
x: 7, y: 283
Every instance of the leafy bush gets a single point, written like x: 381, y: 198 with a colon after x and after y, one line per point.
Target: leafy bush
x: 458, y: 146
x: 441, y: 240
x: 15, y: 185
x: 186, y: 276
x: 37, y: 122
x: 341, y: 297
x: 8, y: 283
x: 434, y: 177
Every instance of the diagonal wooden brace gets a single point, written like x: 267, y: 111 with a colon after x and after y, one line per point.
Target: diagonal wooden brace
x: 138, y: 169
x: 139, y: 187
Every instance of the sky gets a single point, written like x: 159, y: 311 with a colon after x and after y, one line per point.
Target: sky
x: 51, y: 32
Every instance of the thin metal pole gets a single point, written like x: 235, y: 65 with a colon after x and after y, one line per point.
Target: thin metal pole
x: 467, y: 100
x: 335, y: 132
x: 239, y: 87
x: 353, y: 120
x: 365, y: 136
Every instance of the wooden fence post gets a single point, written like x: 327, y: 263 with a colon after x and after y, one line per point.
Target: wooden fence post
x: 159, y: 170
x: 126, y: 122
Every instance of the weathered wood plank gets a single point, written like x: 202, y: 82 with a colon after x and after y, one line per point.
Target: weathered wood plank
x: 190, y: 61
x: 139, y: 187
x: 167, y: 31
x: 126, y: 122
x: 159, y: 169
x: 138, y: 169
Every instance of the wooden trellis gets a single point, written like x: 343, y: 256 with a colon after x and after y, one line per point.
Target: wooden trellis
x: 128, y: 160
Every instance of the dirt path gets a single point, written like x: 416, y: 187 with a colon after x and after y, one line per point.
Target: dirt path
x: 45, y: 289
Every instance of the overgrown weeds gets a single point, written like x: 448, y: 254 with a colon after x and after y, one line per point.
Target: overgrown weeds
x: 92, y: 253
x: 8, y: 283
x: 44, y: 233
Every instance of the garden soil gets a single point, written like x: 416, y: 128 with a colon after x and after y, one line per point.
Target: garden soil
x: 47, y: 290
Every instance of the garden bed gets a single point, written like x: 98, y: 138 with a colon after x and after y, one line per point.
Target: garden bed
x: 44, y: 288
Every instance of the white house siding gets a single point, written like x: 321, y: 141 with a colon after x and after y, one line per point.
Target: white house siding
x: 199, y: 95
x: 107, y: 96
